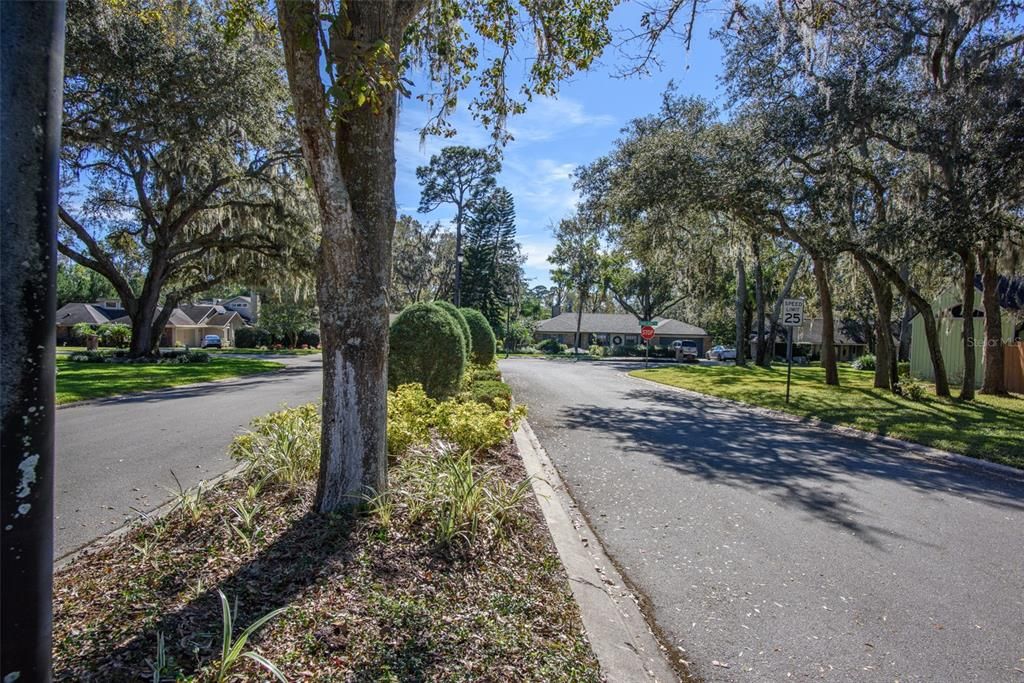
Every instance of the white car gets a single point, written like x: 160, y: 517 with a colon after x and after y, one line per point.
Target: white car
x: 721, y: 353
x: 211, y: 341
x: 685, y: 348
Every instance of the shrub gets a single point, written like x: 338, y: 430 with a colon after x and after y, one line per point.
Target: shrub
x: 596, y: 350
x: 427, y: 349
x: 479, y: 373
x: 903, y: 369
x: 454, y: 499
x: 251, y: 337
x: 283, y: 447
x: 310, y: 338
x: 911, y: 389
x: 551, y: 346
x: 475, y: 426
x: 183, y: 357
x: 88, y: 357
x: 471, y: 426
x: 409, y: 418
x: 494, y: 393
x: 865, y: 362
x: 115, y: 334
x: 483, y: 343
x: 460, y: 319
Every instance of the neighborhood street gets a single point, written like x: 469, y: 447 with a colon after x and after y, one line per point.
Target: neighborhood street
x: 771, y: 550
x: 115, y: 456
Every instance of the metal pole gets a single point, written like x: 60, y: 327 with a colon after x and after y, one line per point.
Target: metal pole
x: 458, y: 259
x: 647, y: 352
x: 789, y: 360
x: 32, y: 52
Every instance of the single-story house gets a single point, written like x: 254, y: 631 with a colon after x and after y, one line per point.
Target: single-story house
x: 187, y: 325
x: 618, y: 329
x: 949, y: 319
x: 807, y: 341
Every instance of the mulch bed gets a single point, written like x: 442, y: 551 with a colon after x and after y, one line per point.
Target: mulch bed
x: 366, y: 602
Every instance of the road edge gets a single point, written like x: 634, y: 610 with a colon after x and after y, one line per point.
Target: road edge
x: 913, y: 449
x: 626, y: 647
x: 145, y: 518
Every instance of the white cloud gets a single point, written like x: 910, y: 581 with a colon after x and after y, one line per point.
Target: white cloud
x: 536, y: 250
x: 547, y: 117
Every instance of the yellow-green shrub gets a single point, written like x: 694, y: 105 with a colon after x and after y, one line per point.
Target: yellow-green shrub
x: 474, y: 426
x: 410, y: 413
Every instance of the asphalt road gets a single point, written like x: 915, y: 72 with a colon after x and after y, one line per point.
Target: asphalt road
x: 774, y: 551
x: 115, y: 456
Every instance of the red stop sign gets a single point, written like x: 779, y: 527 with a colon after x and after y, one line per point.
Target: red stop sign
x: 647, y: 332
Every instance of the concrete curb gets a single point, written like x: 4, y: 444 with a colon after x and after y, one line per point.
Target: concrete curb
x: 911, y: 449
x: 145, y: 518
x: 626, y: 648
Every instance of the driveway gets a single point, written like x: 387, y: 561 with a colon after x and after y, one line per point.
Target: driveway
x: 115, y: 456
x: 770, y: 550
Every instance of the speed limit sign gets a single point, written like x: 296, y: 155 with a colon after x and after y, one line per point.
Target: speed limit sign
x: 792, y: 312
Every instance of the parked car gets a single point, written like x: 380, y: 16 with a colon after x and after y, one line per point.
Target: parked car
x: 721, y: 353
x: 685, y: 350
x: 211, y: 341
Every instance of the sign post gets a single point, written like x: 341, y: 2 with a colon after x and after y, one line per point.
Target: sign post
x: 792, y: 316
x: 647, y: 334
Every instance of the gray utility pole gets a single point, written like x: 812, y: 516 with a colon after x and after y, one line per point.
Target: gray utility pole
x: 458, y: 259
x: 32, y: 54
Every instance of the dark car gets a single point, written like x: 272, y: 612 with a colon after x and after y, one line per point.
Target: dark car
x: 211, y: 341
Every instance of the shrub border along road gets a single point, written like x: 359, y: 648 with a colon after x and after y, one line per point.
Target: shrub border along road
x: 912, y: 449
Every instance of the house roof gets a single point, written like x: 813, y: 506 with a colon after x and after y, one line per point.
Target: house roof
x: 616, y: 323
x: 810, y: 333
x: 222, y: 319
x: 241, y: 297
x: 1010, y: 290
x: 72, y: 314
x: 182, y: 316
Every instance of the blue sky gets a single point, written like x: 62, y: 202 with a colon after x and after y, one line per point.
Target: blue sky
x: 557, y: 135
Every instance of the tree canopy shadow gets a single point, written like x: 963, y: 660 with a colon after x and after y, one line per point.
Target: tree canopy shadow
x: 797, y: 464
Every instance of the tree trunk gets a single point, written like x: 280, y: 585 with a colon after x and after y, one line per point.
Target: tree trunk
x: 905, y: 322
x: 759, y: 305
x: 354, y: 180
x: 741, y: 300
x: 828, y: 342
x: 927, y: 318
x: 967, y: 310
x: 994, y: 380
x: 881, y: 291
x: 32, y: 49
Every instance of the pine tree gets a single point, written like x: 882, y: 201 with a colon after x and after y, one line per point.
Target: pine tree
x: 493, y: 268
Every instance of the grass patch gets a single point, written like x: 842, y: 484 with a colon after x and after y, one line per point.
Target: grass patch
x: 81, y: 381
x: 448, y: 577
x: 988, y: 428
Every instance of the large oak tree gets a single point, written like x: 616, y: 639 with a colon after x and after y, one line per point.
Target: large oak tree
x: 181, y: 170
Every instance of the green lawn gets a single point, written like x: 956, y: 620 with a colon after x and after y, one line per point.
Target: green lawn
x: 989, y: 428
x: 80, y: 381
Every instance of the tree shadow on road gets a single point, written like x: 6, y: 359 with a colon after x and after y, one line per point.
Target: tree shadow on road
x: 798, y: 465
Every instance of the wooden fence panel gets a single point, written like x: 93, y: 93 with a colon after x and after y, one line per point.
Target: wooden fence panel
x: 1013, y: 357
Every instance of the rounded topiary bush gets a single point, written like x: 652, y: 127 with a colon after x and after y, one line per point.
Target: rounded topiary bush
x: 483, y: 342
x: 426, y: 348
x: 457, y: 316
